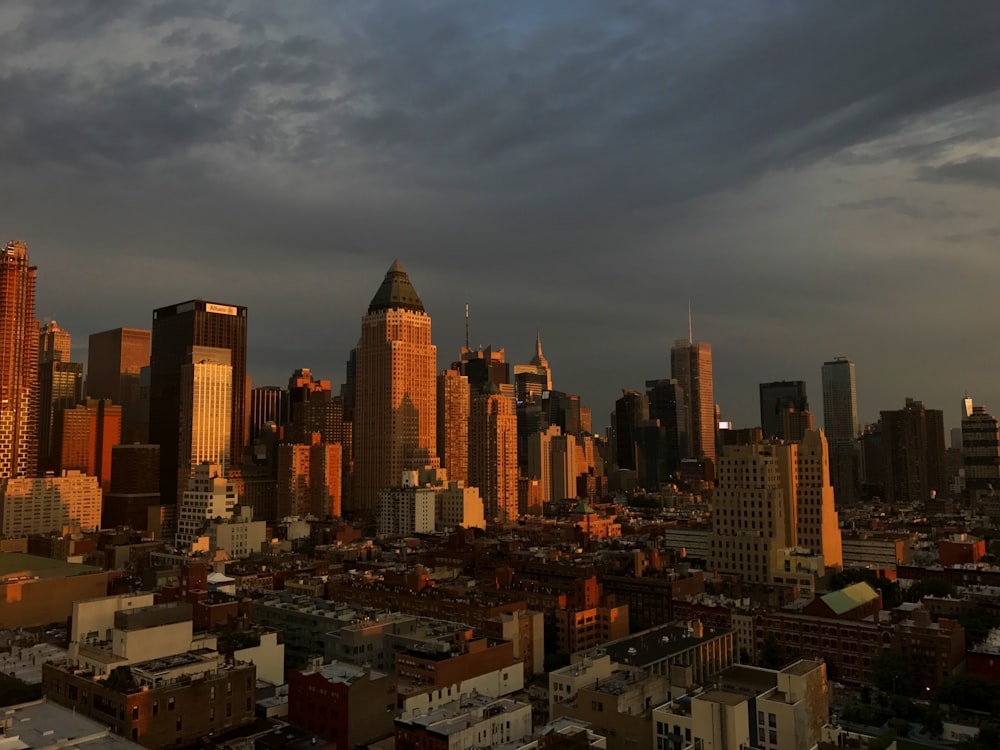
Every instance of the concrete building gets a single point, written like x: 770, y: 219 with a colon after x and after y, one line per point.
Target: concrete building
x: 395, y: 410
x: 749, y: 707
x: 426, y: 501
x: 239, y: 535
x: 915, y: 456
x: 83, y: 438
x: 981, y: 449
x: 342, y: 703
x: 468, y: 723
x: 310, y: 479
x: 453, y: 403
x: 539, y: 460
x: 875, y: 551
x: 40, y: 506
x: 526, y: 630
x: 691, y: 367
x: 209, y: 495
x: 114, y: 361
x: 192, y: 345
x: 45, y: 724
x: 771, y: 497
x: 493, y: 452
x: 456, y: 505
x: 38, y: 591
x: 19, y: 398
x: 775, y: 399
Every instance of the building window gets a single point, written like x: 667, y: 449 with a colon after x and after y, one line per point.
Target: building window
x: 170, y: 704
x: 135, y: 713
x: 156, y: 707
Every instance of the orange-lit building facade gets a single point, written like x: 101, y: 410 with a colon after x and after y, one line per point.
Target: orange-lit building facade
x: 395, y: 413
x: 453, y: 424
x: 84, y: 437
x: 114, y: 361
x: 493, y: 453
x: 18, y: 364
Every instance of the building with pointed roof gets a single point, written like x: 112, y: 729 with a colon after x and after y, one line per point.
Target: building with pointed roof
x: 534, y: 378
x: 395, y: 410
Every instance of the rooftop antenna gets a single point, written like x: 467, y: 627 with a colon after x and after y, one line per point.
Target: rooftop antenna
x: 690, y: 329
x: 466, y: 325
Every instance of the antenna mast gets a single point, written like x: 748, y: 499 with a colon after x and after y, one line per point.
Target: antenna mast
x: 466, y: 325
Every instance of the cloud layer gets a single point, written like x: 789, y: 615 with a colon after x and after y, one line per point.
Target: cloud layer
x: 815, y: 179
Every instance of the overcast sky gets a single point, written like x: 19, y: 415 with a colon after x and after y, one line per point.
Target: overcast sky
x: 817, y: 179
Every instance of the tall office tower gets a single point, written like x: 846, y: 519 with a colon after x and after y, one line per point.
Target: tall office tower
x: 176, y: 329
x: 631, y: 410
x: 770, y: 497
x: 309, y: 482
x: 395, y: 410
x: 268, y: 403
x: 563, y: 409
x: 840, y: 401
x: 493, y: 453
x: 840, y: 423
x: 453, y: 403
x: 208, y: 494
x: 314, y: 408
x: 206, y: 402
x: 691, y: 367
x: 134, y: 499
x: 84, y: 437
x: 981, y: 447
x: 796, y: 423
x: 18, y: 364
x: 915, y: 456
x: 539, y: 461
x: 666, y: 409
x: 565, y: 467
x: 749, y: 513
x: 485, y: 368
x: 114, y: 361
x: 775, y: 398
x: 60, y: 386
x: 533, y: 379
x: 817, y: 524
x: 53, y: 344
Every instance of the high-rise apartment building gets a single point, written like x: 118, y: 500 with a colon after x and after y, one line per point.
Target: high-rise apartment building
x: 18, y: 364
x: 114, y: 361
x: 771, y: 497
x: 913, y: 438
x: 176, y: 330
x: 539, y: 449
x: 775, y: 398
x: 60, y: 386
x: 493, y: 453
x: 981, y: 448
x: 453, y: 403
x: 691, y: 367
x: 208, y: 495
x: 47, y: 504
x: 395, y: 410
x: 84, y: 437
x: 309, y: 481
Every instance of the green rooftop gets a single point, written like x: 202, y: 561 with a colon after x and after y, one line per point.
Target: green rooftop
x: 849, y: 598
x: 396, y: 291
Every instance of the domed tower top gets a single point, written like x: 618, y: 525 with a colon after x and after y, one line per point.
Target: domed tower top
x: 396, y: 291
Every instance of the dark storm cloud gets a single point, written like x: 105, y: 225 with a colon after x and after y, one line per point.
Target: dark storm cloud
x: 981, y: 171
x: 541, y: 159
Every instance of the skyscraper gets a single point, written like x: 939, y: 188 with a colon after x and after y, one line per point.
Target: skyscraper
x: 454, y: 401
x: 176, y: 330
x: 18, y: 364
x: 840, y: 401
x: 206, y: 412
x: 775, y: 398
x: 691, y: 367
x: 114, y: 360
x: 493, y: 452
x: 840, y: 422
x: 395, y: 409
x: 54, y: 344
x: 981, y: 447
x: 533, y: 379
x: 914, y: 449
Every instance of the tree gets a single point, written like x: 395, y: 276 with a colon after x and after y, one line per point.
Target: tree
x: 933, y: 723
x: 893, y: 672
x: 771, y: 655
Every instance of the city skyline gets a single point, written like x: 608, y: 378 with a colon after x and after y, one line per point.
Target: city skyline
x: 584, y: 172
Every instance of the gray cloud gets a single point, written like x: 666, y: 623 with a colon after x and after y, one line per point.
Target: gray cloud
x: 568, y: 166
x: 982, y: 171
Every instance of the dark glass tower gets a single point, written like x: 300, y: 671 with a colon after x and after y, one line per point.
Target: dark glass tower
x: 176, y: 329
x: 775, y: 398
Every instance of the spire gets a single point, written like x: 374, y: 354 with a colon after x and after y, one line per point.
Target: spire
x: 539, y: 359
x: 396, y: 291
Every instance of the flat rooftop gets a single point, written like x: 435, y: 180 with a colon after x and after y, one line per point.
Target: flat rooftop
x: 724, y: 697
x: 33, y: 722
x: 802, y: 667
x: 16, y: 565
x: 656, y: 644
